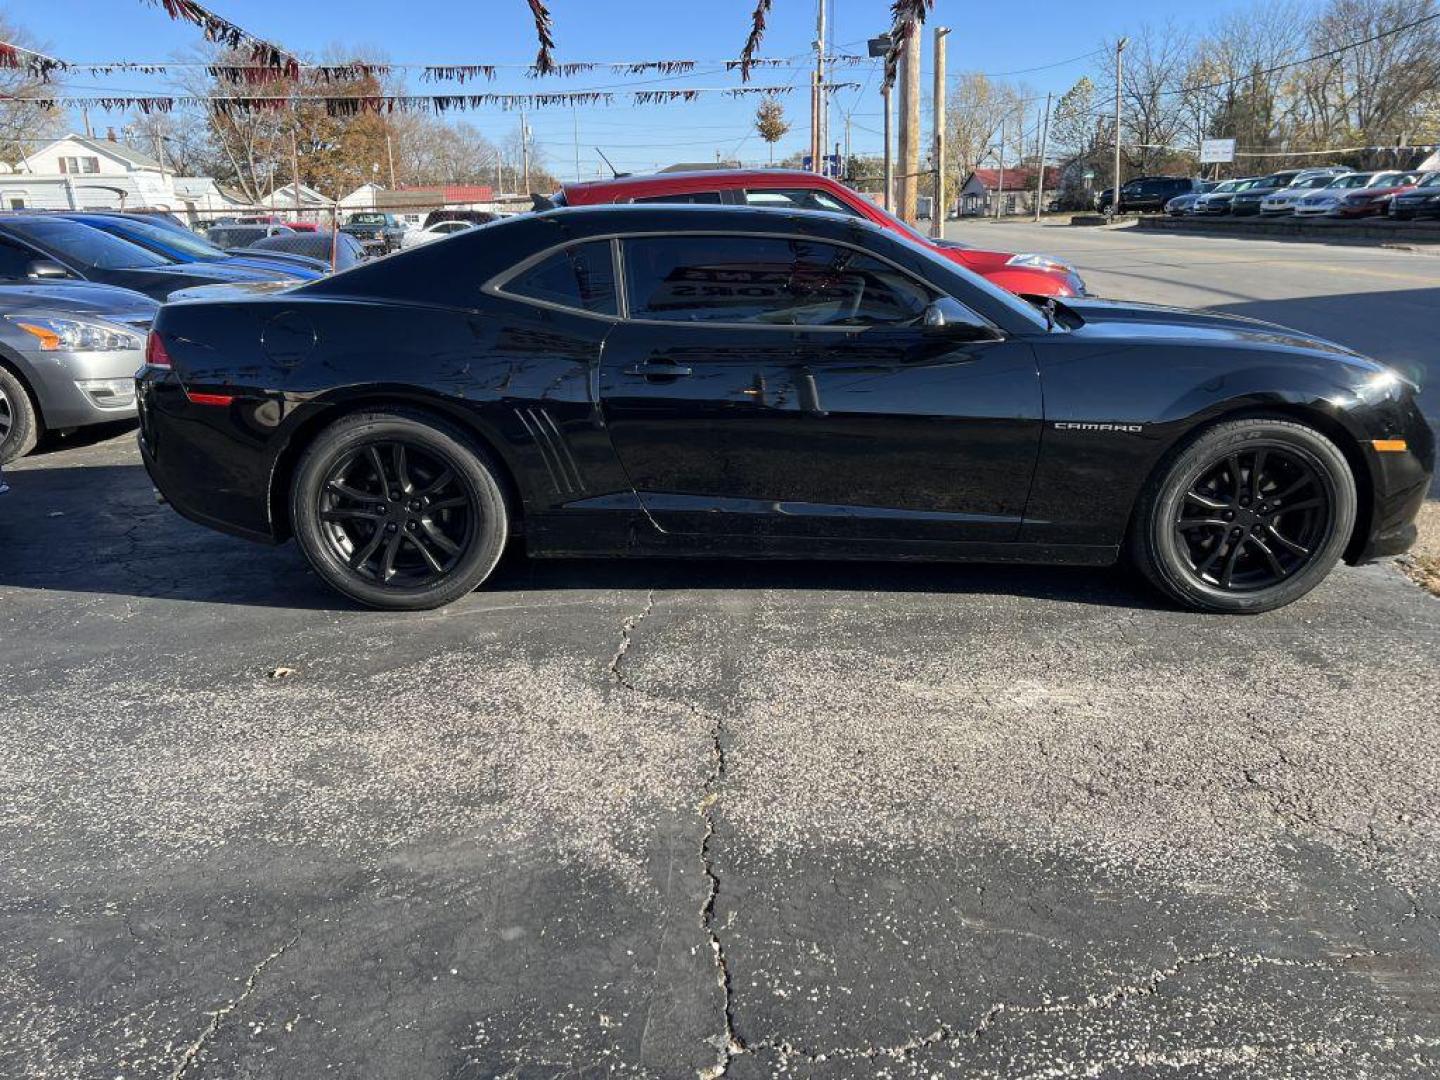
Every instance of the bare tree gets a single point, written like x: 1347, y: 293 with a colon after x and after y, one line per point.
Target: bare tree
x: 975, y: 113
x: 25, y: 126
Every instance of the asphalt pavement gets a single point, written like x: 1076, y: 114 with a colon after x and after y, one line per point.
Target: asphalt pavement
x: 676, y: 819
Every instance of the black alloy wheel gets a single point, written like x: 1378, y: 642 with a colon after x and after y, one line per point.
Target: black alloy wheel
x: 399, y: 510
x: 1246, y: 517
x: 396, y: 514
x: 1253, y: 518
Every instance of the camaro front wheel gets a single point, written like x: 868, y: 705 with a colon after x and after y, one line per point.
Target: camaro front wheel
x: 398, y: 510
x: 1247, y: 518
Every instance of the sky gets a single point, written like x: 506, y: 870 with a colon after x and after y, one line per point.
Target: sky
x: 1057, y: 38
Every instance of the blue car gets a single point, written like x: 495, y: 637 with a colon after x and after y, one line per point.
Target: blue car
x: 189, y: 248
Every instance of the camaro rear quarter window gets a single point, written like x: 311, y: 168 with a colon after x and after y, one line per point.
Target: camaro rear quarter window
x: 581, y: 276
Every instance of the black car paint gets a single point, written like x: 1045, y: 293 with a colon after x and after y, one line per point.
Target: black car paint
x: 892, y: 441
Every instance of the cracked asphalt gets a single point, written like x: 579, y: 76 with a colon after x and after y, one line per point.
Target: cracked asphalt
x: 697, y: 819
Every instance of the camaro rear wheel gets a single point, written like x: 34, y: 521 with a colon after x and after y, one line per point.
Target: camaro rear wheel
x: 398, y: 510
x: 1248, y: 517
x: 19, y: 426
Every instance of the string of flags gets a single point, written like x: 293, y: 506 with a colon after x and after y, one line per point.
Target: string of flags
x: 392, y: 103
x: 225, y: 33
x: 41, y: 67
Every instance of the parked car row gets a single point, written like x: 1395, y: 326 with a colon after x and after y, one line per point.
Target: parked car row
x: 78, y: 292
x: 1331, y: 191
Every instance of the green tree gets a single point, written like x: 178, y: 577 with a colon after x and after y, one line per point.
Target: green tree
x: 770, y: 122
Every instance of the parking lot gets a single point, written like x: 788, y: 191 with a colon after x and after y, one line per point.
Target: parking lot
x: 699, y: 818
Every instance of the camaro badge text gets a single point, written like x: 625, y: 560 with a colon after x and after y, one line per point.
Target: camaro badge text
x: 1072, y: 425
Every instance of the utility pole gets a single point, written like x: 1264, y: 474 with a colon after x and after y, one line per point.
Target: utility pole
x: 937, y: 214
x: 575, y: 120
x: 1000, y: 187
x: 1119, y: 78
x: 845, y: 170
x: 1044, y: 149
x: 525, y: 151
x: 390, y: 156
x: 822, y: 107
x: 814, y: 123
x: 889, y: 188
x: 295, y: 170
x: 909, y: 122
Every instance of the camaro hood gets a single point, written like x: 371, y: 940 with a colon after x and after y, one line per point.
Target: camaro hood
x: 1110, y: 318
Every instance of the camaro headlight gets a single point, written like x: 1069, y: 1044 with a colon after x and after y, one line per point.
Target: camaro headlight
x: 76, y: 335
x: 1041, y: 262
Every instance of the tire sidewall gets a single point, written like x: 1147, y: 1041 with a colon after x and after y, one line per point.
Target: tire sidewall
x: 471, y: 467
x: 24, y: 430
x: 1169, y: 563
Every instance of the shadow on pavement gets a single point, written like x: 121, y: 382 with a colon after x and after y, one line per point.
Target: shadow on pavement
x: 98, y: 529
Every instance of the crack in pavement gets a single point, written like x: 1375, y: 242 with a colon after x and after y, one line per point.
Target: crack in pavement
x: 218, y: 1016
x: 627, y: 635
x: 1094, y: 1002
x: 731, y: 1045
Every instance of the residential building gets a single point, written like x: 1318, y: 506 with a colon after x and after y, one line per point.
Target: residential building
x: 1011, y: 191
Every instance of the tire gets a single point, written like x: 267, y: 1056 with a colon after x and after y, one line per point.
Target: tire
x: 19, y: 424
x: 372, y: 545
x: 1281, y: 487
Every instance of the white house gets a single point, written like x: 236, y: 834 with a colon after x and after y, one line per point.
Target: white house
x: 77, y: 172
x: 311, y: 205
x: 80, y: 156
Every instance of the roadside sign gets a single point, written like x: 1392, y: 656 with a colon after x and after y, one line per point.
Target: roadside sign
x: 831, y: 164
x: 1217, y: 150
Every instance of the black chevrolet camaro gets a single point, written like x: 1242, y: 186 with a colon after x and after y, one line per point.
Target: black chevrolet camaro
x: 678, y: 380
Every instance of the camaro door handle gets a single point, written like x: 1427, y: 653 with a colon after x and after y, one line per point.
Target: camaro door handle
x: 653, y: 369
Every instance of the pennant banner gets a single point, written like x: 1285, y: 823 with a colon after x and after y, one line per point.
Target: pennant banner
x: 223, y: 32
x: 38, y: 65
x: 390, y: 103
x: 457, y: 72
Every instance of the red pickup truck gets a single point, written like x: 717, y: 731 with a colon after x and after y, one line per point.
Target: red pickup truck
x: 1028, y: 275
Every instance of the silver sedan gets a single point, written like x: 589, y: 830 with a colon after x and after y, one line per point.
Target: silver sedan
x: 68, y: 357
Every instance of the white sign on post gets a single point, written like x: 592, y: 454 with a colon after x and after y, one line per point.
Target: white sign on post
x: 1217, y: 150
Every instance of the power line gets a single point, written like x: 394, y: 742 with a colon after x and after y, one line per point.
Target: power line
x: 1026, y: 71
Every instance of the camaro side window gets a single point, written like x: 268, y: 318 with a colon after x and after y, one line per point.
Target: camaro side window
x: 746, y: 279
x: 580, y: 276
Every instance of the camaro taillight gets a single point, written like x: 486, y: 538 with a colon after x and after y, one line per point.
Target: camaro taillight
x: 155, y: 354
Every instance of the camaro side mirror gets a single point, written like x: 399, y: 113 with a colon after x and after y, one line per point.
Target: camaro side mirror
x: 950, y: 317
x: 46, y: 268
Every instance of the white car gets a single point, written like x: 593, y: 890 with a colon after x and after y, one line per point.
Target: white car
x: 1284, y: 200
x: 1328, y: 198
x: 438, y: 231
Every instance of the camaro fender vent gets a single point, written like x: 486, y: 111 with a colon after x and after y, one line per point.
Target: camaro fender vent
x: 554, y: 450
